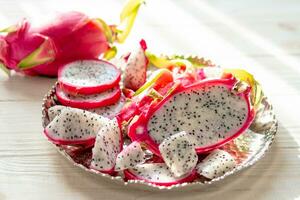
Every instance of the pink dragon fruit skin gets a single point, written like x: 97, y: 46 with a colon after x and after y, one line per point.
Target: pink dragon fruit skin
x: 71, y: 36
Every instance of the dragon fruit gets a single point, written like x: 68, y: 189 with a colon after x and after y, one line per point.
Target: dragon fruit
x: 136, y: 68
x: 211, y: 112
x: 106, y: 98
x: 108, y: 145
x: 71, y: 36
x: 179, y: 154
x: 129, y: 157
x: 106, y: 111
x: 54, y: 111
x: 88, y: 77
x: 216, y: 164
x: 110, y: 111
x: 157, y: 174
x: 74, y: 126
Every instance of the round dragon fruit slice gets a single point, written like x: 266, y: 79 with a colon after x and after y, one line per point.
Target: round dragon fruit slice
x: 157, y: 174
x: 106, y: 111
x: 109, y: 143
x: 112, y: 110
x: 74, y: 126
x: 210, y: 112
x: 106, y: 98
x: 88, y: 76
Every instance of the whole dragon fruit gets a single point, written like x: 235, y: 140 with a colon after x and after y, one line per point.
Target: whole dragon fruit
x: 71, y: 36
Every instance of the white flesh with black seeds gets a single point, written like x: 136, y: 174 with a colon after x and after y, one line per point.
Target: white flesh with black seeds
x: 155, y: 172
x: 75, y: 124
x: 209, y: 115
x: 179, y: 154
x: 107, y: 146
x: 89, y: 73
x: 135, y: 71
x: 110, y: 111
x: 216, y: 164
x: 54, y: 111
x: 129, y: 157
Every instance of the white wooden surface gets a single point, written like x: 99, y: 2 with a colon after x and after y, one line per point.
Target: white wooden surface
x: 262, y: 36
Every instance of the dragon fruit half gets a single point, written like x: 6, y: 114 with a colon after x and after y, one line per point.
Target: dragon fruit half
x: 211, y: 112
x: 71, y: 36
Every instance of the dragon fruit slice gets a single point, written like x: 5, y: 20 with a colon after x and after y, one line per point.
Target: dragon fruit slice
x: 88, y: 77
x: 157, y: 174
x: 54, y: 111
x: 216, y: 164
x: 106, y: 98
x: 129, y: 157
x: 108, y: 145
x: 106, y: 111
x: 74, y: 126
x: 211, y: 112
x: 112, y: 110
x: 179, y: 154
x: 136, y: 68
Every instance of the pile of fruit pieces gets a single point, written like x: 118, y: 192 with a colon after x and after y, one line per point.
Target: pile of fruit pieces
x: 162, y: 120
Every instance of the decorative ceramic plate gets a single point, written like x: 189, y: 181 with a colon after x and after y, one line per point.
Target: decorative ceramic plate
x: 247, y: 149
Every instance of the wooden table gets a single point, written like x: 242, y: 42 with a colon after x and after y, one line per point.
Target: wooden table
x: 262, y: 36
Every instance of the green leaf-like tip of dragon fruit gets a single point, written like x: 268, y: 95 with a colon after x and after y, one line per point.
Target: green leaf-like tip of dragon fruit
x: 166, y: 62
x: 43, y: 54
x: 178, y: 60
x: 106, y: 29
x: 197, y: 62
x: 9, y: 29
x: 110, y: 53
x: 256, y: 89
x: 127, y: 18
x: 4, y: 68
x: 154, y: 94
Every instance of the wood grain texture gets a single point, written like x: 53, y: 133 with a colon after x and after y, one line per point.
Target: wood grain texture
x: 260, y: 36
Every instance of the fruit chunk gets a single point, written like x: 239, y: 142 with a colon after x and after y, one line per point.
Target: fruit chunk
x: 108, y: 145
x: 179, y: 154
x: 210, y: 112
x: 88, y: 77
x: 131, y: 156
x: 216, y: 164
x: 106, y: 98
x: 74, y: 126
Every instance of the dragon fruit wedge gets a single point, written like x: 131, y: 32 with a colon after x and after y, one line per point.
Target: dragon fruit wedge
x: 108, y: 145
x: 136, y: 68
x: 130, y: 156
x: 88, y: 77
x: 179, y: 154
x: 157, y: 174
x: 54, y: 111
x: 71, y: 36
x: 211, y: 112
x: 216, y: 164
x: 74, y: 126
x: 106, y: 98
